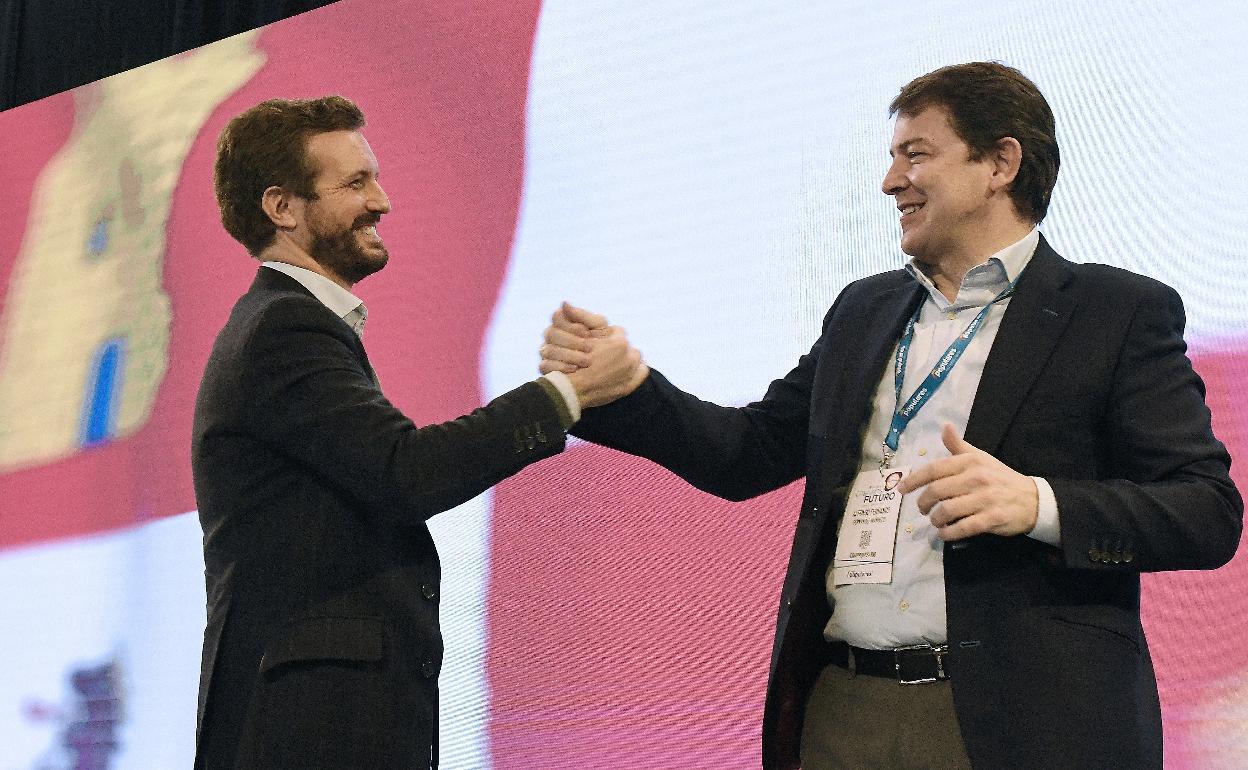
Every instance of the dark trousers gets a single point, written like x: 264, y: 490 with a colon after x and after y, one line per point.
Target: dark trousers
x: 858, y: 722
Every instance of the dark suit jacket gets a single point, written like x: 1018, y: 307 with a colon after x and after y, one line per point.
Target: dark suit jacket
x: 1087, y: 385
x: 322, y: 647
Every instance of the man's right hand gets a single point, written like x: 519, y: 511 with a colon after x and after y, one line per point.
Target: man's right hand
x: 598, y: 359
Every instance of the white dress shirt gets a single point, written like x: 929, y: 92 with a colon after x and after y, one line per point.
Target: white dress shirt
x: 911, y: 610
x: 340, y: 301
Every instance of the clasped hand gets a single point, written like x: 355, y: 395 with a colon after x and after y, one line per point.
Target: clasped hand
x: 597, y: 358
x: 971, y: 492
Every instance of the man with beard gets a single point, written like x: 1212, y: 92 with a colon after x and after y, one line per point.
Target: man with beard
x: 322, y: 647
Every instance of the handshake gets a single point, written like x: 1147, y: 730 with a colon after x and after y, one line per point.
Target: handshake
x: 597, y: 358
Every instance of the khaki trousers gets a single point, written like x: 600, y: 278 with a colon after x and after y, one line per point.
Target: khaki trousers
x: 871, y: 723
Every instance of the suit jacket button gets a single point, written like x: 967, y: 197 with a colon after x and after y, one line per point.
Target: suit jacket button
x: 1094, y: 554
x: 428, y: 591
x: 1128, y: 555
x: 429, y: 669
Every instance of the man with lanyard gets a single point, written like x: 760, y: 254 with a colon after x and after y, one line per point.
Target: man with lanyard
x: 1053, y: 443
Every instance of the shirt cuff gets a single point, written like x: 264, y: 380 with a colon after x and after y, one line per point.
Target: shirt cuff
x: 567, y: 391
x: 1048, y: 528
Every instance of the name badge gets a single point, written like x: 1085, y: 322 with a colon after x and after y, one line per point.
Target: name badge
x: 868, y: 537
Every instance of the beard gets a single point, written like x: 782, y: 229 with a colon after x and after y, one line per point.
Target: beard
x: 342, y: 254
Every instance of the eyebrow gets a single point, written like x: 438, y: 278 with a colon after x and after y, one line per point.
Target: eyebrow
x: 906, y: 145
x: 363, y: 172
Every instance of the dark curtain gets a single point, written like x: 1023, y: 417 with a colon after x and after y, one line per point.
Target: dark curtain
x: 10, y: 18
x: 48, y: 46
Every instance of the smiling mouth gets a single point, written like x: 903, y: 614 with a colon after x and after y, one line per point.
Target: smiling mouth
x: 908, y: 210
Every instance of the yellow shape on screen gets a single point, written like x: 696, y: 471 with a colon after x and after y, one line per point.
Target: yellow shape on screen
x: 84, y: 339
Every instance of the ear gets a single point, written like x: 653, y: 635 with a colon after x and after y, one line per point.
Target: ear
x: 1006, y: 159
x: 277, y: 204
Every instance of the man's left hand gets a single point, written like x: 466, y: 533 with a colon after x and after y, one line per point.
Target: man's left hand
x: 972, y: 492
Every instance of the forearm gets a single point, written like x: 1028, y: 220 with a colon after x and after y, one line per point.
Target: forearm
x: 1190, y: 522
x: 734, y: 453
x: 312, y: 401
x: 438, y: 467
x: 1166, y: 498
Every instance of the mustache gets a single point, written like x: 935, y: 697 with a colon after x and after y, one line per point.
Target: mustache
x: 365, y: 220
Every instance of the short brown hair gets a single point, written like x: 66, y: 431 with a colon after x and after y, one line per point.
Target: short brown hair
x: 986, y: 102
x: 266, y: 146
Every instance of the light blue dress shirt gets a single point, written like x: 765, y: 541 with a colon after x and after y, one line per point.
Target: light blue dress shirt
x: 911, y: 610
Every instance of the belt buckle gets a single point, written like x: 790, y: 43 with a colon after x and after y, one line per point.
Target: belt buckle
x: 937, y: 650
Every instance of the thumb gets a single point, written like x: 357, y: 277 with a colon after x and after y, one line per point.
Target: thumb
x: 953, y: 442
x: 580, y: 315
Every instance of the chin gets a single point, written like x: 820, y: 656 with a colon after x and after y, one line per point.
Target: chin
x: 911, y: 245
x: 379, y: 253
x: 363, y: 268
x: 371, y: 253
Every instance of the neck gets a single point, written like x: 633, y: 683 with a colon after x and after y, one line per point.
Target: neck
x: 947, y: 271
x: 947, y: 274
x: 286, y: 251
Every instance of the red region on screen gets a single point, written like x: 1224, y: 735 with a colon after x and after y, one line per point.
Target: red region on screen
x: 630, y: 617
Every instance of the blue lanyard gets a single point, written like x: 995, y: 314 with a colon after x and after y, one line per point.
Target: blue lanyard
x: 906, y: 412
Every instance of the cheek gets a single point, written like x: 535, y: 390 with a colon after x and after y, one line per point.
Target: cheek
x: 916, y: 178
x: 336, y: 219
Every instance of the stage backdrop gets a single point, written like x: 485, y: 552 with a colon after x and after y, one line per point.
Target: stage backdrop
x: 705, y: 173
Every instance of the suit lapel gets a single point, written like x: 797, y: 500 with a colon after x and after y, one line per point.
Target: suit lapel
x: 883, y: 323
x: 860, y: 354
x: 1033, y: 322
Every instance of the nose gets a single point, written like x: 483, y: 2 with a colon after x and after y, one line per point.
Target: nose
x: 894, y: 179
x: 379, y: 202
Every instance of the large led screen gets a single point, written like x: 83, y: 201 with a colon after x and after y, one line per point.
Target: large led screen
x: 707, y: 174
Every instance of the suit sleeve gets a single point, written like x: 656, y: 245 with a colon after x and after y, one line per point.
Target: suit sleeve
x: 1165, y: 499
x: 315, y: 402
x: 732, y: 452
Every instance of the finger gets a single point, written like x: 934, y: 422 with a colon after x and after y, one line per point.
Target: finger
x: 566, y: 339
x: 944, y: 489
x: 553, y: 352
x: 946, y: 512
x: 590, y: 319
x: 547, y: 366
x: 560, y: 320
x: 963, y: 528
x: 953, y: 442
x: 605, y: 333
x: 926, y: 474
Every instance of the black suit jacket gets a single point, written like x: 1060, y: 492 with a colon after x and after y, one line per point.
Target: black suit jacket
x: 1088, y: 386
x: 322, y: 647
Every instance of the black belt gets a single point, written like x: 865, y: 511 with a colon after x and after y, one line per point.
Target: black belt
x: 915, y: 664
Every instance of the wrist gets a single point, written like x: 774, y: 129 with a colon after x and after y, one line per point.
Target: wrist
x: 563, y: 392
